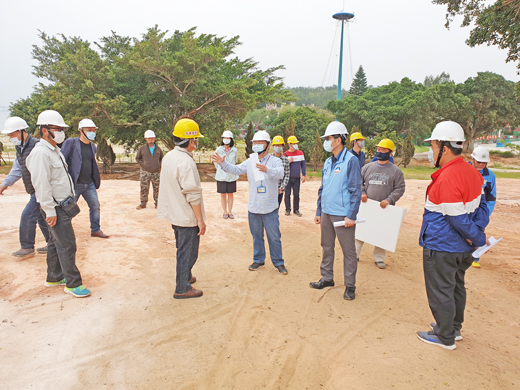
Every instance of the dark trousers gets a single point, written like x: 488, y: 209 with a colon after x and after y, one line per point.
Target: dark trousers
x: 187, y: 243
x: 61, y: 252
x: 444, y: 278
x: 30, y: 216
x: 280, y: 197
x: 294, y: 183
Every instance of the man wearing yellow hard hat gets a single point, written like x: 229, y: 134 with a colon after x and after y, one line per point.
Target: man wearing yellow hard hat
x: 278, y: 152
x: 384, y: 183
x: 181, y: 203
x: 357, y: 142
x: 297, y: 165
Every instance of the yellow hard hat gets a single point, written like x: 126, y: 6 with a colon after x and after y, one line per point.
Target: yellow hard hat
x: 386, y: 143
x: 278, y: 140
x: 292, y: 140
x: 187, y: 128
x: 356, y: 136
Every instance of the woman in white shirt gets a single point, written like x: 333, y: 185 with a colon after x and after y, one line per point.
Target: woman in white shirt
x: 227, y: 182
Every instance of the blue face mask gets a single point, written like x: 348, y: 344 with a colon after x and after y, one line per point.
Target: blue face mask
x: 91, y: 135
x: 383, y: 156
x: 258, y: 148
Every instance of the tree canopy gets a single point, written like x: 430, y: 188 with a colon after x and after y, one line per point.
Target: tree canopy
x: 359, y: 84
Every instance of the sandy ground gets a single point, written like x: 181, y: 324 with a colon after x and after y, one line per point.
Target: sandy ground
x: 250, y: 330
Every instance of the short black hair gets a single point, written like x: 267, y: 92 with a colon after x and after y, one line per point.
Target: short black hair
x: 231, y: 144
x: 343, y: 138
x: 455, y: 151
x: 181, y: 142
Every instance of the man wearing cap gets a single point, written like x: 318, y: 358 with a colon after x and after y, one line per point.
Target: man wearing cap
x: 338, y: 200
x: 297, y: 175
x: 149, y: 157
x: 357, y: 142
x: 181, y: 203
x: 455, y: 216
x: 15, y: 127
x: 80, y: 155
x: 263, y: 200
x: 384, y: 183
x: 54, y: 191
x: 480, y: 159
x: 278, y: 152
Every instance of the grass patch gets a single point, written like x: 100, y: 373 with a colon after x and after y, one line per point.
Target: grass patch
x: 507, y: 175
x: 5, y: 169
x: 421, y: 149
x: 417, y: 173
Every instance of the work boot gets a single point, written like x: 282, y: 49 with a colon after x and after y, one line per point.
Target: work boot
x: 297, y: 212
x: 255, y: 266
x: 350, y: 293
x: 99, y: 234
x: 141, y: 206
x: 322, y: 283
x: 190, y: 294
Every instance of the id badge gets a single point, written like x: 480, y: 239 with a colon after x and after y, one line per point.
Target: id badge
x: 261, y: 190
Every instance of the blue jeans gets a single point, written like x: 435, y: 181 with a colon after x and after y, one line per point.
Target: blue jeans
x: 271, y: 224
x: 61, y: 252
x: 90, y: 195
x: 30, y: 216
x: 187, y: 243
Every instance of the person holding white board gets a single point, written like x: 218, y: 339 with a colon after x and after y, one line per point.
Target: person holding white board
x: 383, y: 182
x: 338, y: 200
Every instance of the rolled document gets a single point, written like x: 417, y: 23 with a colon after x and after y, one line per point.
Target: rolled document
x: 484, y: 249
x: 342, y: 223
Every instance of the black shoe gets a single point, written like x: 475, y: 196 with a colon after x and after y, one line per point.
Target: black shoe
x: 255, y: 266
x: 287, y: 212
x: 350, y: 293
x: 322, y: 284
x: 281, y: 269
x: 297, y: 212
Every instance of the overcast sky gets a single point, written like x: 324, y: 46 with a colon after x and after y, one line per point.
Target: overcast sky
x: 391, y: 39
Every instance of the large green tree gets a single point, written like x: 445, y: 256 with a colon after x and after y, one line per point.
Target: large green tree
x: 128, y: 85
x: 359, y: 84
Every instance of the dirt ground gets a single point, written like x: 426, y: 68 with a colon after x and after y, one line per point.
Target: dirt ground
x: 250, y: 330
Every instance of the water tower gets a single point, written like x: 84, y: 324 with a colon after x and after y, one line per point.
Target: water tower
x: 344, y: 17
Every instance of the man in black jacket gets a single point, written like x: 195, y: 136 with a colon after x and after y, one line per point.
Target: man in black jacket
x: 15, y: 128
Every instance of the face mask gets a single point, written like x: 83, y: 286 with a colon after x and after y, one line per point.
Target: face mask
x: 361, y: 144
x: 278, y: 149
x: 226, y: 141
x: 15, y: 141
x: 430, y: 156
x: 383, y: 156
x: 295, y: 146
x: 327, y: 145
x: 258, y: 148
x: 59, y: 137
x: 196, y: 142
x: 91, y: 135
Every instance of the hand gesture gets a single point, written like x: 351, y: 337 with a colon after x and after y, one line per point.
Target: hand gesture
x: 290, y: 159
x: 218, y: 159
x: 261, y: 167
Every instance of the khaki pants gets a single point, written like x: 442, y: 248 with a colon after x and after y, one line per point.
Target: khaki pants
x: 379, y: 253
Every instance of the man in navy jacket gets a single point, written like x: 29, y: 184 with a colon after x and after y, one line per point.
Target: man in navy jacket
x: 80, y: 155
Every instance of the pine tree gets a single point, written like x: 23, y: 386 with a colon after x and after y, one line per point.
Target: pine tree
x: 359, y: 84
x: 408, y: 149
x: 317, y: 152
x: 106, y: 154
x: 249, y: 139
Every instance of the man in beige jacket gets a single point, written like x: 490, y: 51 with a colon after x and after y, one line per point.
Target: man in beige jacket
x: 181, y: 204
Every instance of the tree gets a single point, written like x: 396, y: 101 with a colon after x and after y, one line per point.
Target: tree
x: 359, y: 84
x: 408, y: 149
x: 317, y: 152
x: 430, y: 81
x: 249, y: 139
x: 105, y: 154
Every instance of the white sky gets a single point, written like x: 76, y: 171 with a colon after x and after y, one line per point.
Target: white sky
x: 391, y: 39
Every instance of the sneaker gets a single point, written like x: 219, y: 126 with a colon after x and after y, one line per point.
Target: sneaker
x: 297, y: 212
x: 62, y: 282
x: 23, y: 252
x: 43, y: 250
x: 380, y: 265
x: 431, y: 338
x: 78, y: 292
x: 140, y: 207
x: 458, y: 336
x: 476, y: 264
x: 281, y: 269
x: 255, y: 266
x: 287, y: 212
x: 350, y: 293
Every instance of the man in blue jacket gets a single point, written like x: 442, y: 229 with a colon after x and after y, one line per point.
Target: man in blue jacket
x: 80, y: 155
x: 338, y: 200
x: 480, y: 157
x: 455, y: 216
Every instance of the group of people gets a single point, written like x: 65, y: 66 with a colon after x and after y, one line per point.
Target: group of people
x: 458, y: 203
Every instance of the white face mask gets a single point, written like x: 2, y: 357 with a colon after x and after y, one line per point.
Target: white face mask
x: 59, y: 136
x: 430, y: 156
x: 295, y: 146
x: 226, y: 141
x: 91, y: 135
x: 361, y: 144
x: 15, y: 141
x: 327, y: 145
x: 258, y: 148
x: 278, y: 149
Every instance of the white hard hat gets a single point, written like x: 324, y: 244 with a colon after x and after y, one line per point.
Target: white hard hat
x: 13, y: 124
x: 86, y: 123
x: 262, y: 135
x: 51, y: 117
x: 335, y: 128
x: 149, y: 134
x: 480, y: 154
x: 227, y: 134
x: 447, y: 131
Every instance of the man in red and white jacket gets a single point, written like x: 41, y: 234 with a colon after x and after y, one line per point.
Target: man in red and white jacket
x: 296, y: 165
x: 455, y: 216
